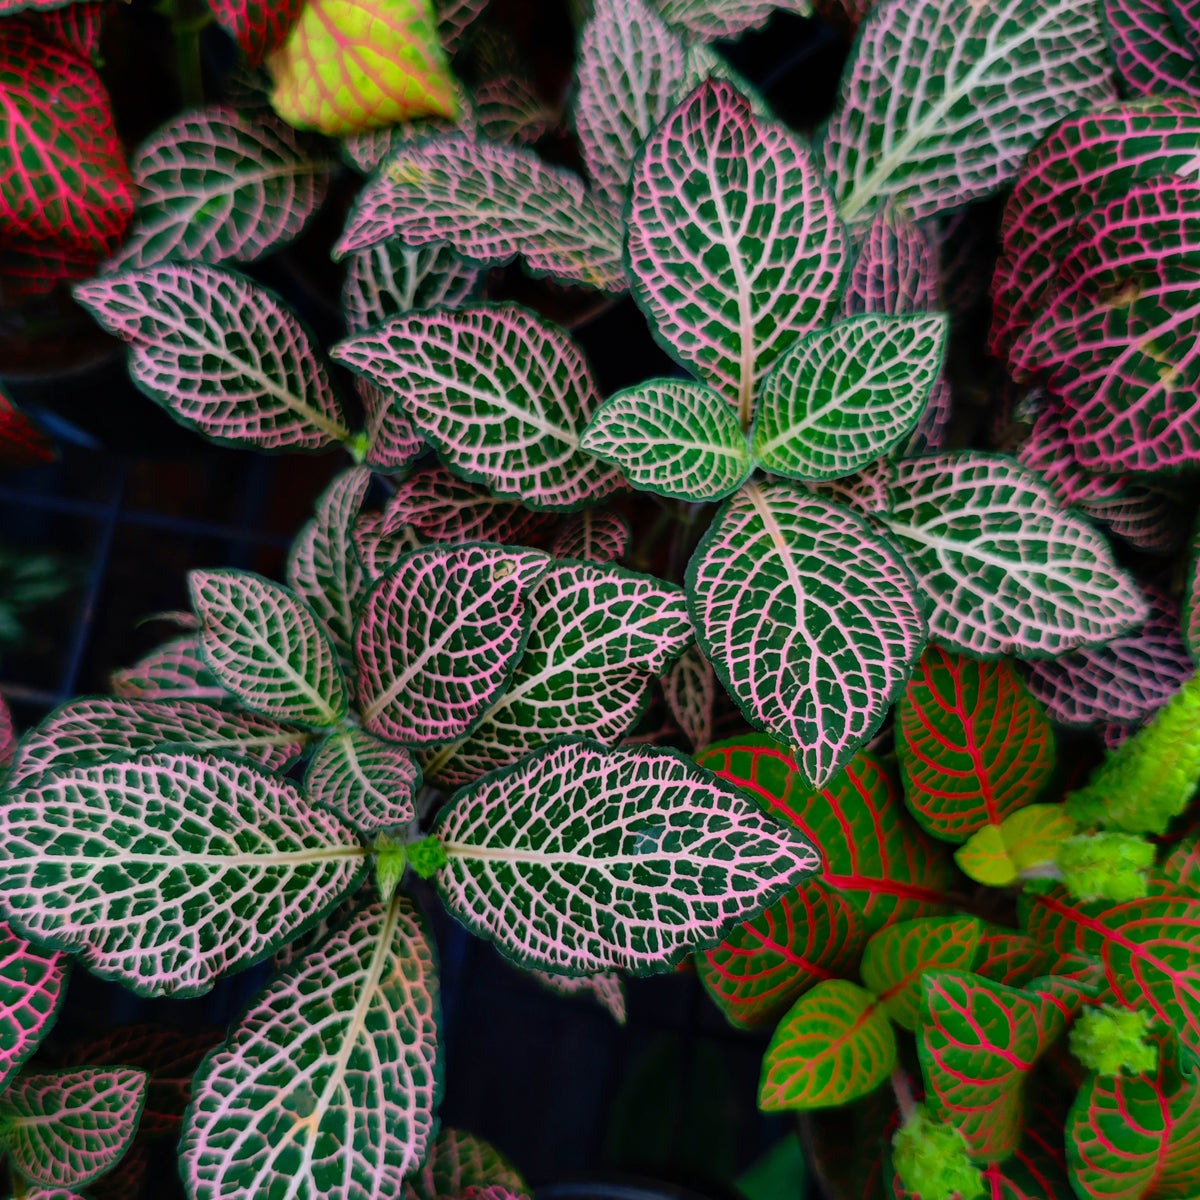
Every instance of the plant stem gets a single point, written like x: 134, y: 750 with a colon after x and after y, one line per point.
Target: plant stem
x: 187, y: 23
x: 904, y: 1096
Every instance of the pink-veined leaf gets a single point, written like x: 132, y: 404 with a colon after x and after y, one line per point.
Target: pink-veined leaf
x: 456, y: 1161
x: 221, y: 354
x: 599, y: 634
x: 349, y: 65
x: 940, y: 102
x: 897, y: 958
x: 258, y: 26
x: 1134, y: 1137
x: 323, y: 568
x: 973, y: 744
x: 691, y: 691
x: 328, y: 1085
x: 833, y: 1046
x: 77, y: 25
x: 494, y: 1191
x: 660, y: 856
x: 392, y: 442
x: 1087, y: 160
x: 489, y: 203
x: 169, y: 870
x: 1143, y: 516
x: 22, y: 443
x: 599, y: 537
x: 870, y: 852
x: 65, y: 179
x: 1150, y: 53
x: 1011, y: 958
x: 711, y: 20
x: 978, y: 1042
x: 29, y: 268
x: 731, y: 275
x: 1190, y: 617
x: 176, y: 670
x: 509, y: 110
x: 8, y: 734
x: 100, y: 729
x: 378, y: 552
x: 811, y: 621
x: 217, y: 184
x: 1118, y: 345
x: 439, y: 637
x: 371, y: 147
x: 755, y: 975
x: 454, y: 21
x: 441, y: 508
x: 1185, y: 16
x: 1048, y: 451
x: 367, y: 782
x: 265, y: 646
x: 503, y: 395
x: 1128, y: 679
x: 65, y: 1128
x: 1006, y: 570
x: 607, y: 988
x: 391, y: 279
x: 32, y: 988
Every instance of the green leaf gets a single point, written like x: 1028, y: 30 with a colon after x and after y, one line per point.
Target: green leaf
x: 660, y: 857
x: 607, y: 988
x: 809, y: 618
x: 369, y: 783
x: 1011, y: 958
x: 391, y: 279
x: 457, y: 1161
x: 690, y: 687
x: 173, y: 671
x: 169, y: 870
x: 266, y: 647
x: 328, y: 1085
x: 834, y: 1045
x: 997, y: 854
x: 671, y: 437
x: 599, y: 537
x: 896, y: 959
x: 841, y: 397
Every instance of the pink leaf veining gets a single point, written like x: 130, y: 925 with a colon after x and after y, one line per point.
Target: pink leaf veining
x: 32, y: 986
x: 592, y: 536
x: 258, y: 26
x: 173, y: 671
x: 1151, y: 55
x: 367, y: 782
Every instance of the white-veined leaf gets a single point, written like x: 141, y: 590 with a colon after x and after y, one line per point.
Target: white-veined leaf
x: 265, y: 646
x: 489, y: 203
x: 217, y: 184
x: 32, y: 988
x: 733, y: 245
x: 508, y: 109
x: 327, y: 1086
x: 367, y: 782
x: 502, y: 394
x: 169, y: 870
x: 392, y: 442
x: 390, y: 279
x: 691, y: 690
x: 579, y: 859
x: 457, y: 1161
x: 942, y: 100
x: 673, y: 437
x: 598, y: 635
x: 101, y: 729
x: 65, y: 1128
x: 1005, y: 569
x: 810, y: 619
x: 842, y: 397
x: 607, y: 988
x: 722, y: 19
x: 439, y: 637
x: 323, y: 569
x: 867, y: 491
x: 176, y: 670
x: 599, y: 537
x: 221, y: 354
x: 378, y: 552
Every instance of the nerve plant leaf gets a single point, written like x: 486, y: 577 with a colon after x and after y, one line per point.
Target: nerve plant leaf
x: 367, y: 782
x: 503, y: 395
x: 842, y: 397
x: 672, y: 437
x: 662, y: 857
x: 348, y: 65
x: 65, y: 179
x: 438, y: 639
x: 835, y: 1044
x: 258, y: 26
x: 599, y: 634
x: 456, y: 1161
x: 327, y: 1086
x: 731, y: 274
x: 169, y: 870
x: 66, y: 1128
x: 607, y: 988
x: 1150, y: 52
x: 176, y: 670
x: 691, y: 691
x: 941, y: 101
x: 266, y: 647
x: 100, y: 729
x: 32, y: 987
x: 391, y: 279
x: 1005, y: 570
x: 711, y: 20
x: 810, y: 620
x: 599, y: 537
x: 996, y: 854
x: 392, y: 442
x: 221, y: 354
x: 218, y: 184
x: 973, y: 744
x: 489, y: 203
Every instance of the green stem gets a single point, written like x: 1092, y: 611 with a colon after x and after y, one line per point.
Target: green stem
x: 187, y: 24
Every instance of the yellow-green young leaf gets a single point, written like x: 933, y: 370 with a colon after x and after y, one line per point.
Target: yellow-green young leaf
x: 349, y: 65
x: 997, y: 854
x: 835, y: 1044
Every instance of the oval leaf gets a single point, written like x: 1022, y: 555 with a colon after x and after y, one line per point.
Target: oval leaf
x: 368, y: 783
x: 168, y: 871
x: 391, y: 279
x: 599, y: 537
x: 457, y: 1161
x: 256, y: 25
x: 623, y: 830
x: 997, y: 854
x: 691, y: 691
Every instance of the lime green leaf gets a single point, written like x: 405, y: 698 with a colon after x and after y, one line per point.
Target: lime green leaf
x: 1110, y: 1040
x: 997, y: 854
x: 931, y: 1160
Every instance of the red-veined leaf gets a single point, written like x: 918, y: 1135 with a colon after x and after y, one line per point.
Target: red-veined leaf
x: 1150, y: 53
x: 22, y: 443
x: 32, y: 987
x: 77, y: 25
x: 258, y: 26
x: 1011, y: 958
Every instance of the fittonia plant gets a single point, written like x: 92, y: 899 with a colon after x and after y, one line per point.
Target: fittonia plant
x: 451, y: 683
